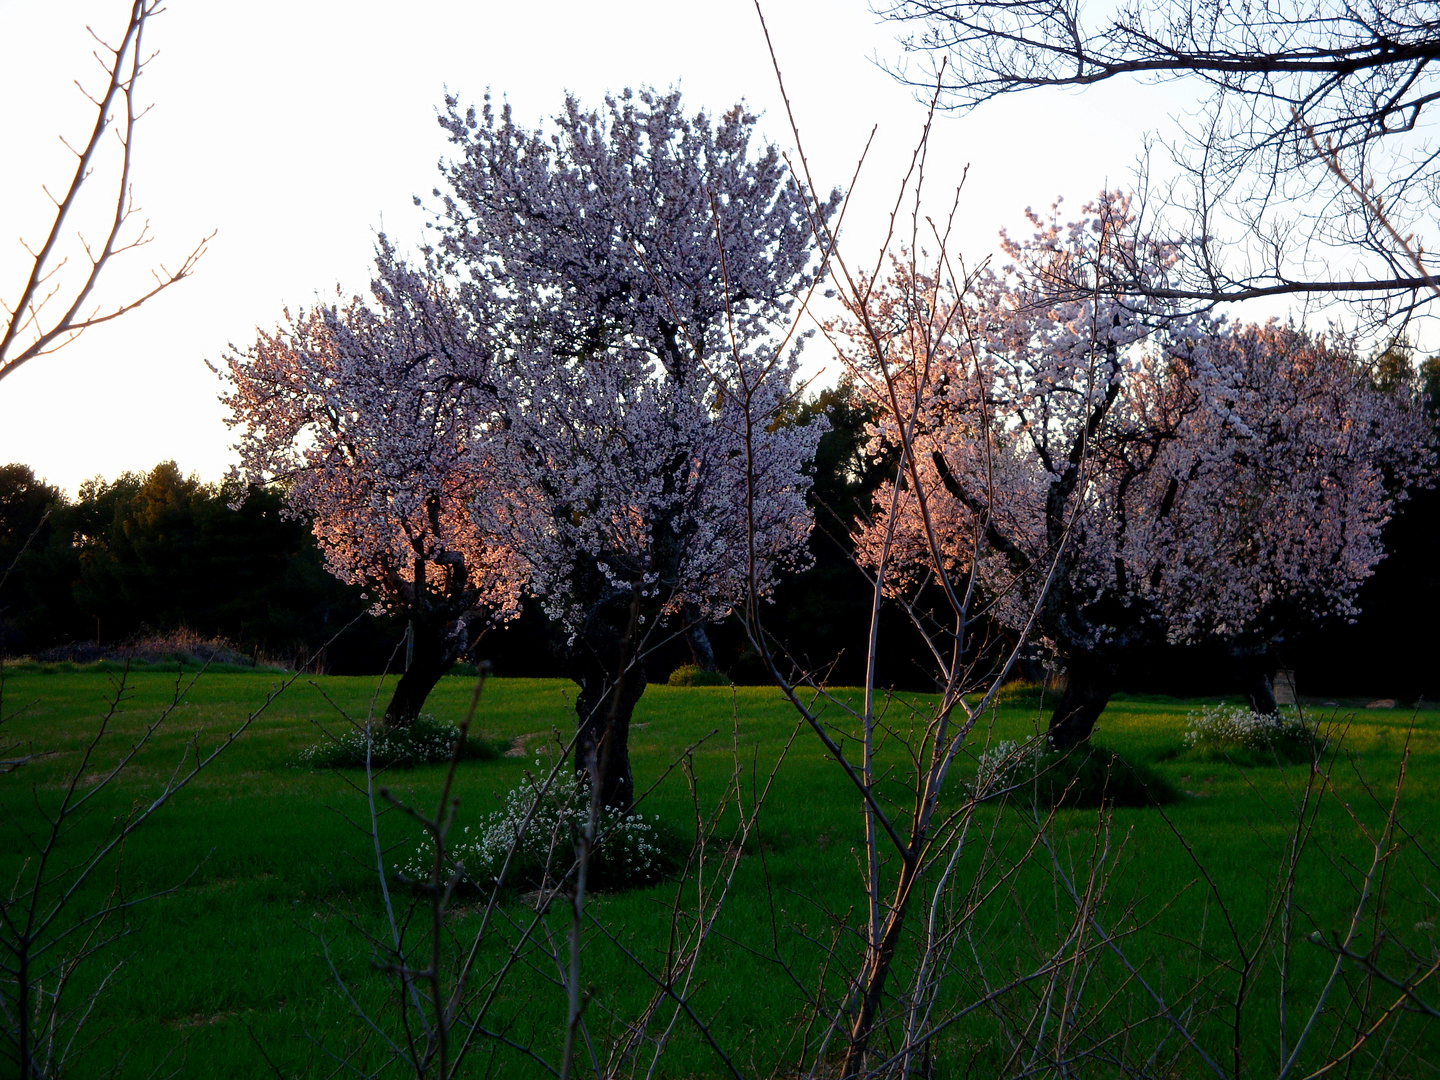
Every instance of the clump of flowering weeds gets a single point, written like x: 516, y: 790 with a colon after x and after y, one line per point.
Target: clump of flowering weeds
x: 1238, y: 733
x: 1088, y: 775
x: 538, y: 831
x: 424, y: 741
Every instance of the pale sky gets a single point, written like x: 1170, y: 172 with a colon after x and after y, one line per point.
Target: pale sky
x: 296, y: 130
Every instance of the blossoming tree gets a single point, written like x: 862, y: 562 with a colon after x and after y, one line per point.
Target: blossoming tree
x: 1130, y: 477
x: 639, y: 266
x: 369, y: 415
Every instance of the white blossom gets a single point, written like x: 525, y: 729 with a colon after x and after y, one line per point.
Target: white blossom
x: 1194, y: 480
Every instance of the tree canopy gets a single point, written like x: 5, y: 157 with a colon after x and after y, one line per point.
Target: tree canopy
x: 1117, y: 480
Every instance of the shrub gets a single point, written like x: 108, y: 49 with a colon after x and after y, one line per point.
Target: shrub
x: 425, y: 741
x: 28, y: 665
x: 694, y: 675
x: 630, y: 851
x: 146, y: 652
x: 1237, y: 734
x: 1088, y: 775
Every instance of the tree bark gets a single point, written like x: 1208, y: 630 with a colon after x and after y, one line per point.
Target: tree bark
x: 1089, y: 684
x: 612, y: 679
x: 1260, y: 692
x: 431, y: 656
x: 878, y: 963
x: 604, y: 710
x: 701, y: 651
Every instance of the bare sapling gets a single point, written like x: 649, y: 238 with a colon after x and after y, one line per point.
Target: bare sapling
x: 893, y: 351
x: 53, y: 305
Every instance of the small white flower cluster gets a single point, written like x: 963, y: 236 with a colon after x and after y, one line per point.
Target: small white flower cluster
x: 1238, y: 726
x: 537, y: 830
x: 997, y: 767
x: 425, y: 740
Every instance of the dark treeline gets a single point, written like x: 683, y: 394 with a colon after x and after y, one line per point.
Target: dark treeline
x: 163, y: 552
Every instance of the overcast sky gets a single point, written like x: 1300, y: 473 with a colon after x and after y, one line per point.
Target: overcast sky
x: 295, y: 130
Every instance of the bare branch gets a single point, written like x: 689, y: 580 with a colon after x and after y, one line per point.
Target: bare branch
x: 30, y: 329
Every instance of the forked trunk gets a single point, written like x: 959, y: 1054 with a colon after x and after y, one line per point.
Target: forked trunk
x: 1087, y: 691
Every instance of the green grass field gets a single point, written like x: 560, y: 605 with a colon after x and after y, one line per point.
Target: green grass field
x: 267, y: 871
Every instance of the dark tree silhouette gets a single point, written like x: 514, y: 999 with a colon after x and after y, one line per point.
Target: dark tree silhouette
x: 1315, y: 136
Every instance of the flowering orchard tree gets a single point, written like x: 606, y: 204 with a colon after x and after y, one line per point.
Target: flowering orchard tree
x: 639, y: 267
x: 370, y: 416
x: 1298, y: 461
x: 1130, y: 477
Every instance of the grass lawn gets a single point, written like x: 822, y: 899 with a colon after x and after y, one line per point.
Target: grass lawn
x: 267, y: 872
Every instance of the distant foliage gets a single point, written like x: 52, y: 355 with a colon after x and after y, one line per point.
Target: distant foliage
x: 148, y: 556
x: 692, y: 675
x: 425, y: 741
x: 540, y: 826
x: 822, y: 613
x: 1237, y: 732
x: 148, y: 652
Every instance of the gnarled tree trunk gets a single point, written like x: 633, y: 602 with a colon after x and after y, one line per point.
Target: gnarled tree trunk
x: 1090, y: 682
x: 604, y: 661
x: 431, y: 655
x: 603, y: 711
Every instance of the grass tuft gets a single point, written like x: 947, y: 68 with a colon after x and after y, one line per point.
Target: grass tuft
x: 426, y: 741
x: 694, y: 675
